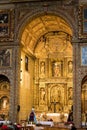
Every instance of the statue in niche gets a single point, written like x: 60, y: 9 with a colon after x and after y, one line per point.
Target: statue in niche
x: 70, y: 67
x: 56, y: 69
x: 56, y: 105
x: 55, y: 94
x: 42, y: 69
x: 4, y: 103
x: 42, y: 95
x: 70, y: 96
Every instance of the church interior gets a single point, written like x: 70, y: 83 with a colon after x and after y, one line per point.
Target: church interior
x: 43, y: 60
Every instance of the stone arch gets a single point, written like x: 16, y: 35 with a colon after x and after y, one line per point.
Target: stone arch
x: 36, y: 13
x: 4, y: 77
x: 30, y: 16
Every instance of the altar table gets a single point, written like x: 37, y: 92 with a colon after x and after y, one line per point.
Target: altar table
x: 48, y: 123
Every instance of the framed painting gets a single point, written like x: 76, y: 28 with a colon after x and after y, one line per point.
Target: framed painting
x: 5, y: 57
x: 6, y: 25
x: 84, y: 55
x: 83, y: 21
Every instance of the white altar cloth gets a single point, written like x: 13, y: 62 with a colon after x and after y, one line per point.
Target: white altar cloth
x: 4, y: 122
x: 50, y: 123
x: 58, y: 117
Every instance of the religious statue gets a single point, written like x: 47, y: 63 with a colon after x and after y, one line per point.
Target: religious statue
x: 56, y: 70
x: 5, y: 57
x: 70, y: 96
x: 32, y: 116
x: 42, y: 95
x: 42, y: 69
x: 70, y: 67
x: 5, y: 103
x: 56, y: 99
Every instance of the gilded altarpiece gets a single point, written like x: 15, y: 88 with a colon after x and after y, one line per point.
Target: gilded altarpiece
x: 53, y: 75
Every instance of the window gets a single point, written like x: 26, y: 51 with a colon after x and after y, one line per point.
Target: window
x: 84, y: 55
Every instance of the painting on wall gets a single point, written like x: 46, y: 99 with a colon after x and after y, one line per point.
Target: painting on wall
x: 5, y: 57
x: 4, y: 18
x: 83, y: 21
x: 6, y: 25
x: 84, y: 55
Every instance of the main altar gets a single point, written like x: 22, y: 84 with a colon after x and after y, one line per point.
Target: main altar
x: 53, y: 76
x: 54, y: 117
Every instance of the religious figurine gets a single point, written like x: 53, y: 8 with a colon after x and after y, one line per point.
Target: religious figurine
x: 32, y: 116
x: 56, y: 70
x: 70, y: 67
x: 70, y: 116
x: 42, y: 94
x: 42, y: 69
